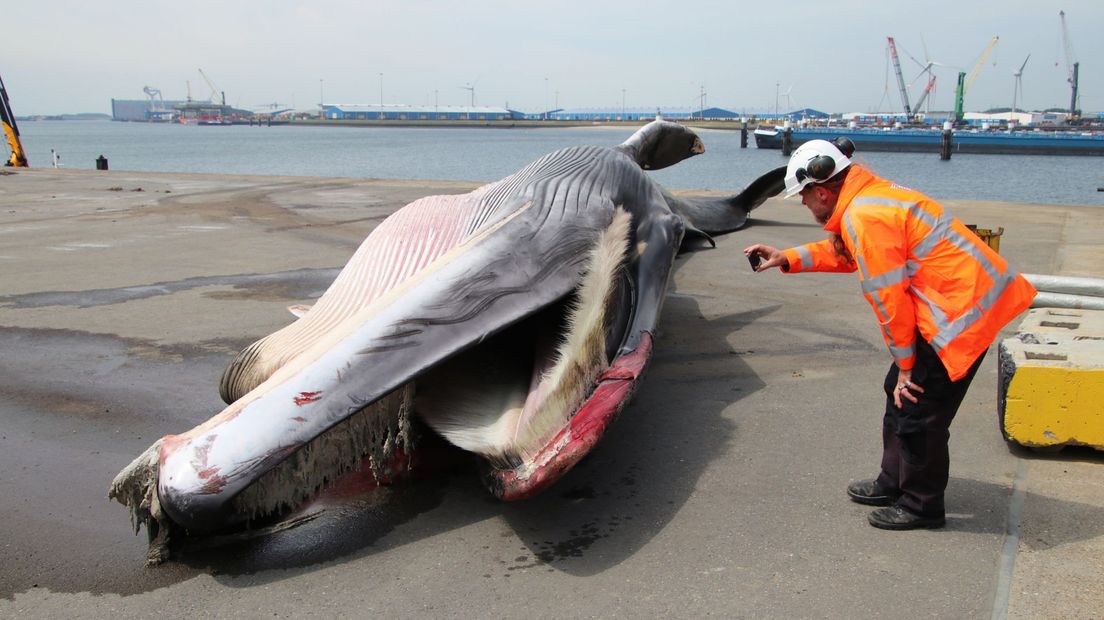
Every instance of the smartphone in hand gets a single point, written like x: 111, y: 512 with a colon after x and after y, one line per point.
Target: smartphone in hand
x: 754, y: 259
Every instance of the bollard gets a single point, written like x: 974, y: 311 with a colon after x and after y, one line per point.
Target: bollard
x: 743, y: 136
x: 101, y: 163
x: 787, y: 141
x: 945, y: 146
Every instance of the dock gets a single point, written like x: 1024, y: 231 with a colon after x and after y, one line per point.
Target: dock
x: 718, y: 491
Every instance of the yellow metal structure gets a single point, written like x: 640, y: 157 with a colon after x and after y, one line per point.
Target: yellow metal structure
x: 18, y: 157
x: 980, y: 63
x: 1052, y: 379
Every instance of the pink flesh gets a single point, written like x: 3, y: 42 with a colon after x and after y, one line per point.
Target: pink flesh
x: 584, y: 430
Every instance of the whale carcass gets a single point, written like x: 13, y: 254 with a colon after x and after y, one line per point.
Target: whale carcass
x: 514, y: 321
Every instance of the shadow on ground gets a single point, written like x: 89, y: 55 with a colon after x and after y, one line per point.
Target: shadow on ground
x: 603, y: 511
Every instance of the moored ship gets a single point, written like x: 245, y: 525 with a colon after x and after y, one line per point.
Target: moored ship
x: 1018, y: 142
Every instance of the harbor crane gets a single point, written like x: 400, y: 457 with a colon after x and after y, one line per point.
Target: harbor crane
x: 1071, y: 66
x: 154, y: 95
x: 214, y: 89
x: 927, y: 91
x: 155, y: 107
x: 900, y: 79
x: 965, y: 81
x: 18, y: 157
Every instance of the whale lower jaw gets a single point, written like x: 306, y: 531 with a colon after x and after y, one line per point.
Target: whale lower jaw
x: 579, y: 436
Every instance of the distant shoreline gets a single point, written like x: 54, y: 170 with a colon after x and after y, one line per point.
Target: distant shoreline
x: 514, y: 124
x: 733, y: 125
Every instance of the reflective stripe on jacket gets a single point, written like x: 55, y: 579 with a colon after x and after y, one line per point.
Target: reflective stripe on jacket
x: 920, y: 269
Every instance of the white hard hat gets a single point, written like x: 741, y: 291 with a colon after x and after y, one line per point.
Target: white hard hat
x: 816, y: 161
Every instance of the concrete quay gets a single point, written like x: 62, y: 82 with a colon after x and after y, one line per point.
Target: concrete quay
x: 719, y: 491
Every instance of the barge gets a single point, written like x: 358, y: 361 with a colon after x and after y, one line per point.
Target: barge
x: 1019, y: 142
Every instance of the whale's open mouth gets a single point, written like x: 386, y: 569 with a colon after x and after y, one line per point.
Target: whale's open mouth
x: 535, y: 398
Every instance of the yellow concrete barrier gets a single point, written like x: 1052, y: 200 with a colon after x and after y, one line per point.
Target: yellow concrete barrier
x: 988, y: 235
x: 1052, y: 379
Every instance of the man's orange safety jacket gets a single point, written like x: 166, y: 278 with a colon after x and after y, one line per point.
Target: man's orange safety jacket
x: 920, y: 269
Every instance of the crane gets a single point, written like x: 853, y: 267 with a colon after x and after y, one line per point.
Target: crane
x: 964, y: 81
x: 927, y: 91
x: 214, y: 89
x: 18, y: 157
x: 155, y: 108
x: 154, y: 95
x: 1071, y: 66
x: 900, y: 78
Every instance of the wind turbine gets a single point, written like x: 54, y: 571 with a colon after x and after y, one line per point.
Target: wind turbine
x: 1017, y: 90
x: 789, y: 101
x: 925, y: 70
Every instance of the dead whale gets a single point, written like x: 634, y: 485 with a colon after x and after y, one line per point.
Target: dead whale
x: 514, y: 321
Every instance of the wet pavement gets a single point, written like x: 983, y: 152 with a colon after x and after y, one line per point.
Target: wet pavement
x: 718, y: 491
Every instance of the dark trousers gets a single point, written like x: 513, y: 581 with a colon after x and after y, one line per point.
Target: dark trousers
x: 915, y: 457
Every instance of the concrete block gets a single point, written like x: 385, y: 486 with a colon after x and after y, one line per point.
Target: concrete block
x: 1068, y: 322
x: 1052, y: 380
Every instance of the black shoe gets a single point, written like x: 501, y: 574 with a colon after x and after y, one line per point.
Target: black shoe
x: 871, y: 493
x: 897, y: 518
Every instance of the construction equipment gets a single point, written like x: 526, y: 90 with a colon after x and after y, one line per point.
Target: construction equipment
x: 214, y: 90
x: 964, y: 81
x: 927, y: 91
x: 18, y: 157
x: 926, y: 68
x: 155, y: 107
x: 900, y: 78
x: 1017, y: 90
x: 1071, y: 66
x: 960, y: 89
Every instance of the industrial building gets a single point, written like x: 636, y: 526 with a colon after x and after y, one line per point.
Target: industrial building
x: 405, y: 112
x: 140, y: 110
x: 633, y: 114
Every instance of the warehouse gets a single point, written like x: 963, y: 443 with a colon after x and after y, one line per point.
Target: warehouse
x: 635, y: 114
x: 405, y: 112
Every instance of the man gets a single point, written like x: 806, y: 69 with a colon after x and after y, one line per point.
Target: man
x: 940, y: 295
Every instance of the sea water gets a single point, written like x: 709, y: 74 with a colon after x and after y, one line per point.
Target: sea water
x: 486, y: 154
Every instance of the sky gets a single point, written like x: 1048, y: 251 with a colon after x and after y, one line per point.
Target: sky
x: 68, y: 56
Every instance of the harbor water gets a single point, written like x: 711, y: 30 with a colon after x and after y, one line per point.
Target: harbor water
x: 488, y: 154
